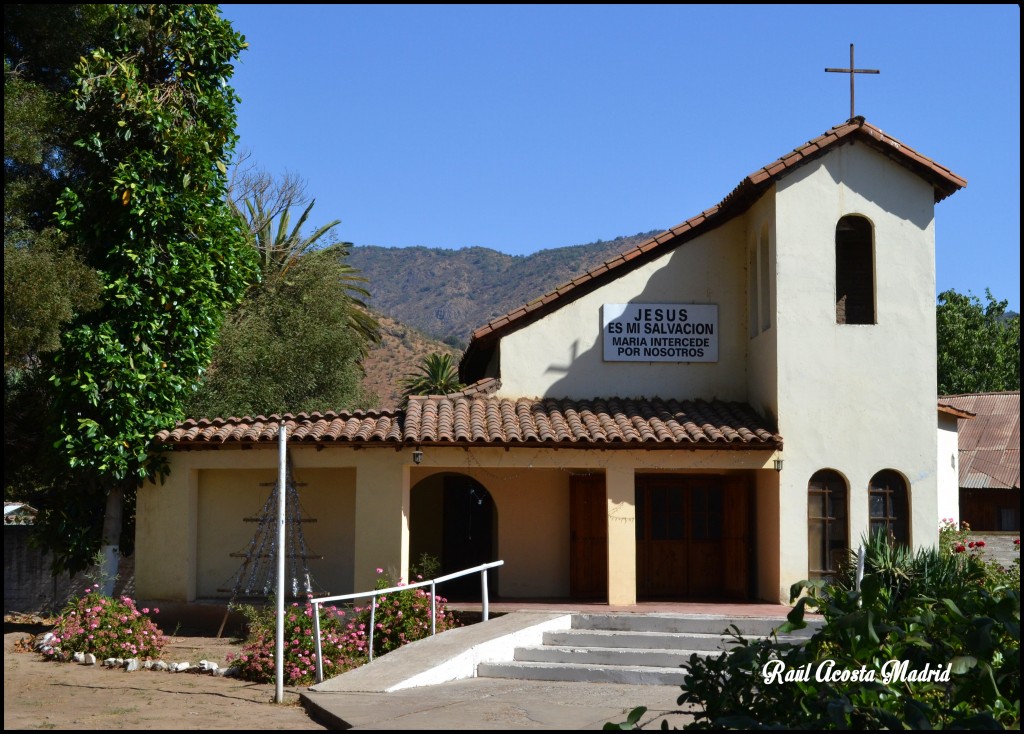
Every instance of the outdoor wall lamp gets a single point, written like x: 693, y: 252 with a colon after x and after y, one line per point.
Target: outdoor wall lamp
x: 778, y: 465
x: 417, y: 457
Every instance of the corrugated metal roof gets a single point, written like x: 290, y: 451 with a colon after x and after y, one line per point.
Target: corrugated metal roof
x: 989, y: 442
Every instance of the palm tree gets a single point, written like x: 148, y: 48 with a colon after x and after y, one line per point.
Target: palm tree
x: 280, y: 250
x: 436, y: 374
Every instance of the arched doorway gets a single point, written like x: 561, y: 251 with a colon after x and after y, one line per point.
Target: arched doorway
x: 453, y: 519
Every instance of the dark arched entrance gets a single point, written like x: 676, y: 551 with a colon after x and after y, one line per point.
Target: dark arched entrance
x: 454, y: 519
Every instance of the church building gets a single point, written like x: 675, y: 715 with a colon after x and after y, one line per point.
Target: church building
x: 714, y: 414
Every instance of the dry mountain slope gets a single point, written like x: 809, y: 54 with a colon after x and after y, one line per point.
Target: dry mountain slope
x: 447, y: 294
x: 401, y: 349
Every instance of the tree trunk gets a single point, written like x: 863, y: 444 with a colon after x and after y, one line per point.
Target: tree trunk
x: 109, y: 549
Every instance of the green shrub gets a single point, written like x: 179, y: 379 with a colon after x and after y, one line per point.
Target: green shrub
x: 933, y: 610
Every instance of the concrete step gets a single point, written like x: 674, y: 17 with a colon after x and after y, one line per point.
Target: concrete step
x: 637, y: 640
x: 629, y: 648
x: 607, y: 656
x: 700, y: 624
x: 579, y: 672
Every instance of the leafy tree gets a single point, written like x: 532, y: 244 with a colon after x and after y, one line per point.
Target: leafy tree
x: 44, y: 287
x: 149, y: 213
x: 978, y: 344
x: 280, y: 250
x: 297, y: 341
x: 46, y: 281
x: 286, y: 349
x: 437, y: 374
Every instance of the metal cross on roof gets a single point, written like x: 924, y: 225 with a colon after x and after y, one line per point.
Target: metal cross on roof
x: 851, y: 71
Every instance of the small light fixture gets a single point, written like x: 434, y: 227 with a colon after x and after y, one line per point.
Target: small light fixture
x: 417, y: 457
x: 778, y: 465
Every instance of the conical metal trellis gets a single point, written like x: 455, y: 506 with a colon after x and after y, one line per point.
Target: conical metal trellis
x: 256, y: 577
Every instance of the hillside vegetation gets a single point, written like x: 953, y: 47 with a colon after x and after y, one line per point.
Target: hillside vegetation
x: 401, y: 348
x: 447, y: 294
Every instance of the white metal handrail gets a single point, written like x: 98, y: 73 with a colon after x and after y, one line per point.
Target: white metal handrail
x: 432, y: 583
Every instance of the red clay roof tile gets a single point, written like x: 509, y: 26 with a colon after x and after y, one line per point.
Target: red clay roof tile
x: 483, y: 419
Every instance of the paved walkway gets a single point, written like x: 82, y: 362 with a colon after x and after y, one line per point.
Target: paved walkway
x: 366, y: 697
x: 493, y: 703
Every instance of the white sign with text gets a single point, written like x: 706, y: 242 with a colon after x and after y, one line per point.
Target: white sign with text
x: 660, y: 332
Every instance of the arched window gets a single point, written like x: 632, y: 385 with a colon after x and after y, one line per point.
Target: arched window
x: 827, y: 543
x: 855, y: 271
x: 759, y: 282
x: 888, y: 509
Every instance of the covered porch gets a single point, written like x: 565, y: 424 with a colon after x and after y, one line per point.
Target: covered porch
x: 607, y: 502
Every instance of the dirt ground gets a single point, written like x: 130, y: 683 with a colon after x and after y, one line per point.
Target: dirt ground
x: 40, y: 694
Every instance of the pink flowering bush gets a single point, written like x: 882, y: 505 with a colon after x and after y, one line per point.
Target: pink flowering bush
x: 400, y: 617
x: 403, y: 616
x: 105, y: 627
x: 953, y: 539
x: 343, y: 644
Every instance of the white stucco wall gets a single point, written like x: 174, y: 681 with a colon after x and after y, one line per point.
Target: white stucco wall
x: 532, y: 531
x: 165, y: 533
x: 227, y: 496
x: 949, y: 468
x: 855, y: 398
x: 762, y: 348
x: 561, y: 355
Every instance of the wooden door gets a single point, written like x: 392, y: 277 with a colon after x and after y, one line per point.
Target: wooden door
x: 738, y: 538
x: 693, y: 537
x: 704, y: 499
x: 662, y: 570
x: 588, y: 537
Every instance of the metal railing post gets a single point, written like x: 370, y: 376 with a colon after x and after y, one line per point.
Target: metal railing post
x: 483, y: 592
x: 433, y: 608
x: 319, y: 646
x: 860, y: 572
x: 373, y: 625
x: 432, y: 583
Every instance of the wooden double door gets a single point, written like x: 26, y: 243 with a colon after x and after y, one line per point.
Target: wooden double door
x: 694, y: 537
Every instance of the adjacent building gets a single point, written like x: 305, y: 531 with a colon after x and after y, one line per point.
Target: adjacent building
x: 988, y: 459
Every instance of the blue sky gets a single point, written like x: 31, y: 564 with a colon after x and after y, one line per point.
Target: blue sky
x: 522, y: 128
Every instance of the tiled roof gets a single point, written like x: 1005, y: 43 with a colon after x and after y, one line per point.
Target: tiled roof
x: 486, y: 420
x: 990, y: 441
x: 955, y: 412
x: 486, y: 386
x: 944, y: 183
